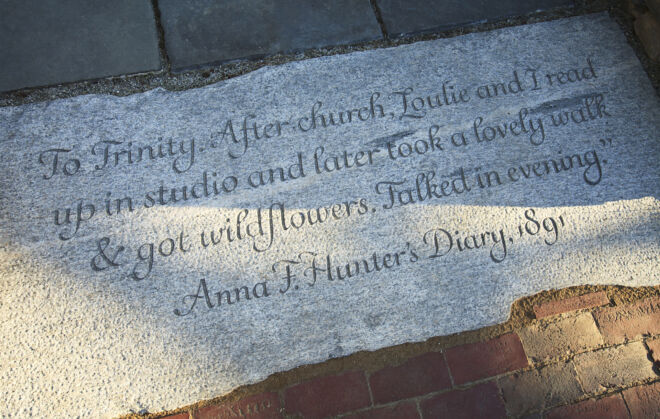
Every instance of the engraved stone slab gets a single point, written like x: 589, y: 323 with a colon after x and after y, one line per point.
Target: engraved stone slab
x: 167, y: 247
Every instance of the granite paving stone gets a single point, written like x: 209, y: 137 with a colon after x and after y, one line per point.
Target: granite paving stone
x: 410, y: 16
x: 207, y: 31
x: 47, y: 42
x: 168, y: 247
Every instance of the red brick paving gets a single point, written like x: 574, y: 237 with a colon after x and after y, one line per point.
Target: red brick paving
x: 493, y: 376
x: 328, y: 396
x: 261, y: 406
x: 549, y: 386
x: 643, y: 401
x: 481, y: 401
x: 654, y: 348
x: 629, y: 322
x: 399, y: 411
x: 579, y: 302
x: 421, y: 375
x: 611, y: 407
x: 485, y: 359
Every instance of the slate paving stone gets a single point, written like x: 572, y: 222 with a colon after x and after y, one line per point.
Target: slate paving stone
x: 411, y: 16
x: 199, y: 32
x: 45, y: 42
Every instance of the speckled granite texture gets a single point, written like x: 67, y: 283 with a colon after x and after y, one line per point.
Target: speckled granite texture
x: 167, y: 247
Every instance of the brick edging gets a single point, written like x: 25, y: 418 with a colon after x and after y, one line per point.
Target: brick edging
x: 499, y: 376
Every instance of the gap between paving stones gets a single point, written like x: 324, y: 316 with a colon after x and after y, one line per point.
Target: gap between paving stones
x: 164, y: 58
x: 212, y: 73
x: 521, y: 315
x: 379, y: 18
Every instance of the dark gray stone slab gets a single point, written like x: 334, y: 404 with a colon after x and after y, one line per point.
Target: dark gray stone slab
x: 44, y: 42
x: 200, y: 32
x: 411, y: 16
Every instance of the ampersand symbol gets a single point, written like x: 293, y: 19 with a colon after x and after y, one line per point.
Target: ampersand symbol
x: 103, y: 260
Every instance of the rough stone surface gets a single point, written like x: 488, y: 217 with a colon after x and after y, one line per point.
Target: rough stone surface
x: 643, y: 401
x: 50, y: 41
x: 102, y: 313
x: 579, y: 302
x: 560, y: 338
x: 409, y: 16
x: 199, y: 32
x: 540, y: 389
x: 611, y: 367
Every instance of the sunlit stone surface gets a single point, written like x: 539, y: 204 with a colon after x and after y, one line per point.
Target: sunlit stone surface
x: 167, y: 247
